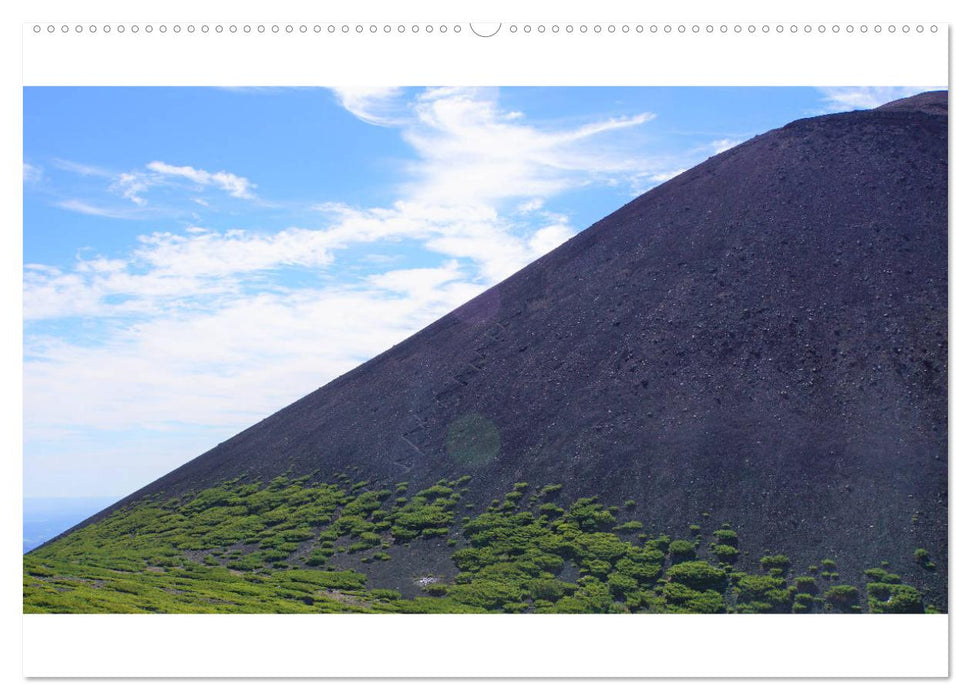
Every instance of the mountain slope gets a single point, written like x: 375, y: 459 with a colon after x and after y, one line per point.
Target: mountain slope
x: 762, y: 339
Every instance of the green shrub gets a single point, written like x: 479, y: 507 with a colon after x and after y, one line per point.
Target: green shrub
x: 726, y: 536
x: 725, y: 553
x: 681, y: 598
x: 660, y: 543
x: 551, y: 509
x: 620, y: 585
x: 842, y: 597
x: 697, y: 575
x: 273, y: 555
x: 339, y: 580
x: 805, y: 600
x: 753, y: 588
x: 487, y: 594
x: 881, y: 576
x: 595, y: 567
x: 775, y: 561
x: 436, y: 590
x: 806, y: 584
x: 436, y: 491
x: 601, y: 545
x: 894, y: 598
x: 923, y: 558
x: 643, y: 571
x: 548, y: 589
x: 589, y: 516
x: 681, y: 550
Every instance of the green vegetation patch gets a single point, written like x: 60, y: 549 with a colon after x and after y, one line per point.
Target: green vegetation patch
x: 283, y: 547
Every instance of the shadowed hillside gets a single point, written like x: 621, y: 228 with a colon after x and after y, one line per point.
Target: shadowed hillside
x: 760, y: 341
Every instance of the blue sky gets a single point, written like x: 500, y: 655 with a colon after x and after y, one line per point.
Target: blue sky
x: 195, y: 258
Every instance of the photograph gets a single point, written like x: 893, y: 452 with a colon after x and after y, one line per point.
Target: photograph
x: 485, y: 349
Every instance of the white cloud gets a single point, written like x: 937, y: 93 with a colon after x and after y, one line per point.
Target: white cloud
x: 257, y: 352
x: 168, y: 271
x: 664, y: 177
x: 82, y: 168
x: 233, y: 252
x: 722, y: 145
x: 548, y: 238
x: 32, y: 173
x: 131, y: 185
x: 376, y: 105
x: 530, y: 206
x: 479, y: 186
x: 93, y: 210
x: 843, y: 99
x: 417, y: 281
x: 235, y: 185
x: 470, y: 149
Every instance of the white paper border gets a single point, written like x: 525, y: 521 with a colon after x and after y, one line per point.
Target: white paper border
x: 421, y: 53
x: 474, y: 646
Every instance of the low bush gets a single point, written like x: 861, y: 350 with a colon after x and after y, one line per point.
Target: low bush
x: 881, y: 576
x: 681, y: 550
x: 842, y: 597
x: 725, y: 553
x: 806, y: 584
x: 697, y: 575
x: 894, y: 598
x: 775, y: 561
x: 726, y: 536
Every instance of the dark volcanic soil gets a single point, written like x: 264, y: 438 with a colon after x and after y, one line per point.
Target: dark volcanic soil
x: 763, y: 338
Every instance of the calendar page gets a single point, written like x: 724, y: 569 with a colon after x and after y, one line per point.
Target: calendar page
x: 396, y: 342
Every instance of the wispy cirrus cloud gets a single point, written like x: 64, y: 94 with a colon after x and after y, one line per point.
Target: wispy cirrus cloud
x: 470, y: 148
x: 134, y: 184
x: 479, y: 185
x: 235, y: 185
x: 85, y: 169
x: 80, y: 207
x: 32, y: 173
x: 381, y: 106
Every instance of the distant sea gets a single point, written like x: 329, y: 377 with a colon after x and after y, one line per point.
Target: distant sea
x: 45, y: 518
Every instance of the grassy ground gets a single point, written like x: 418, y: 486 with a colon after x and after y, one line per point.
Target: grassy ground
x: 269, y: 548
